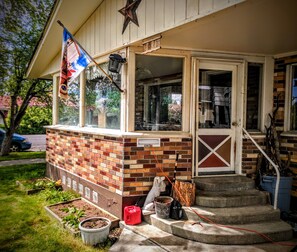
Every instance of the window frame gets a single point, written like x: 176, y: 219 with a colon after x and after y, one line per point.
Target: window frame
x: 82, y: 79
x: 260, y: 100
x: 186, y: 89
x: 288, y: 95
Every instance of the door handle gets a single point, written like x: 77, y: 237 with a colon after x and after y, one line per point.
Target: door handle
x: 235, y: 124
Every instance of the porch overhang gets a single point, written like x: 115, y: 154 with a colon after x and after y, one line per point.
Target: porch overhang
x: 263, y: 27
x: 49, y: 44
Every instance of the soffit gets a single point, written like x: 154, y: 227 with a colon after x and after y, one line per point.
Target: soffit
x: 73, y: 14
x: 266, y: 27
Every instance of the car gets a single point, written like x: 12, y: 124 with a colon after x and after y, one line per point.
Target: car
x: 19, y: 143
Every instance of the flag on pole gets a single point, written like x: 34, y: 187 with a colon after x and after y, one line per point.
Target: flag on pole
x: 74, y: 61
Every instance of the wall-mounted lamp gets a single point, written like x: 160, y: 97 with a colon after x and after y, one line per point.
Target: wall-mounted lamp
x: 115, y: 63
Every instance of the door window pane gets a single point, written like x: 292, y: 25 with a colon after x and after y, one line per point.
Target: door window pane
x: 215, y: 93
x: 158, y: 93
x: 69, y: 109
x: 103, y: 99
x: 293, y: 103
x: 253, y: 105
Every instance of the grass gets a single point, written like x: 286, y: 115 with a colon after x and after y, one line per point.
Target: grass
x: 23, y: 155
x: 25, y: 226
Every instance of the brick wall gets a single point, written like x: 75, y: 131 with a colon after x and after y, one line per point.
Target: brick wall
x: 113, y: 172
x: 288, y: 142
x: 98, y: 159
x: 250, y: 154
x: 280, y: 87
x: 142, y: 164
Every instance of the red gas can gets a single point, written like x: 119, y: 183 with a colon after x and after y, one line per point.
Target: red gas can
x: 132, y: 215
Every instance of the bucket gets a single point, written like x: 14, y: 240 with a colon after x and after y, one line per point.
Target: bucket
x: 162, y: 205
x: 268, y: 183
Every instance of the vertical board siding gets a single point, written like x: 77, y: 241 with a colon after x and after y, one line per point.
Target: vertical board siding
x: 192, y: 8
x: 108, y: 23
x: 159, y: 18
x: 219, y: 4
x: 103, y: 30
x: 150, y: 16
x: 205, y: 6
x: 169, y: 13
x: 180, y: 11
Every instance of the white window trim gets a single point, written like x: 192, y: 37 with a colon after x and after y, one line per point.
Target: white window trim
x: 186, y: 86
x: 288, y: 95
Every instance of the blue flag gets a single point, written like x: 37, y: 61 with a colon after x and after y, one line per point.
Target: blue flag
x: 74, y: 61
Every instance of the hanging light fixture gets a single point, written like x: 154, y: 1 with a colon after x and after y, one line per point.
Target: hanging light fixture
x: 115, y: 63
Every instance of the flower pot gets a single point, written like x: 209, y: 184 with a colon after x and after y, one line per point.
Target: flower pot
x: 162, y: 204
x: 93, y: 236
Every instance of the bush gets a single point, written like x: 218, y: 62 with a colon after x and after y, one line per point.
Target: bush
x: 34, y: 120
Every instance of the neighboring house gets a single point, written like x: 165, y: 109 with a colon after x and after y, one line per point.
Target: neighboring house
x: 196, y: 73
x: 5, y: 105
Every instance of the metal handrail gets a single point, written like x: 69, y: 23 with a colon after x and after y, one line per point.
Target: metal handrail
x: 271, y: 162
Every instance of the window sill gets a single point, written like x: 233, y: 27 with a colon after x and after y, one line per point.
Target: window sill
x: 292, y: 133
x: 119, y: 133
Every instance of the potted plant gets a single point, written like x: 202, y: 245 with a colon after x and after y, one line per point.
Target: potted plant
x: 267, y: 173
x: 94, y: 230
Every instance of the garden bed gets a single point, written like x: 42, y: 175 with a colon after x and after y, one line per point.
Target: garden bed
x: 81, y: 204
x: 35, y: 185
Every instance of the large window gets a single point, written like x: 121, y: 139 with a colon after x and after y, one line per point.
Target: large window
x: 293, y: 98
x: 158, y: 93
x: 102, y: 99
x: 69, y: 109
x: 253, y: 104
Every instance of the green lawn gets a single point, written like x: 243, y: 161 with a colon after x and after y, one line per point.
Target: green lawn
x: 23, y: 155
x: 25, y: 226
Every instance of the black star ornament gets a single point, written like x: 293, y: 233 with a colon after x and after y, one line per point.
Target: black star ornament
x: 129, y: 12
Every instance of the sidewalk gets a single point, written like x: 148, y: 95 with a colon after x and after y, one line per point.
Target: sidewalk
x: 22, y: 161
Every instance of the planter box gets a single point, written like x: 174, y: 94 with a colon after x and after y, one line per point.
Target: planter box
x: 23, y: 187
x: 91, y: 210
x: 268, y: 183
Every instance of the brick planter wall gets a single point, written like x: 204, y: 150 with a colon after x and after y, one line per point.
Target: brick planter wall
x: 113, y: 172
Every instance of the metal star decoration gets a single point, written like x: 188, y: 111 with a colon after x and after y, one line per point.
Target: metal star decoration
x: 129, y: 12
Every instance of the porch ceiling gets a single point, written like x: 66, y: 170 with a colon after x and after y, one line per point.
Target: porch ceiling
x: 255, y: 26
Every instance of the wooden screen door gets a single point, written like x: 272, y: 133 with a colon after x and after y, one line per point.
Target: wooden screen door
x: 216, y: 112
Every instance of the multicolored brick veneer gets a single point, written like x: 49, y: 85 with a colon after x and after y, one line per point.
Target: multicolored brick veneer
x: 112, y: 171
x: 142, y: 164
x: 280, y: 87
x: 288, y: 141
x: 250, y: 154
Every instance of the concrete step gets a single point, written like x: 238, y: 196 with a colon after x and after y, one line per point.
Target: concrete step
x: 212, y: 234
x: 143, y: 237
x: 224, y: 183
x: 231, y: 198
x: 233, y: 215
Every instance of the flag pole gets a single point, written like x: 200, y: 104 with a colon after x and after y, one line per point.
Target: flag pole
x: 107, y: 75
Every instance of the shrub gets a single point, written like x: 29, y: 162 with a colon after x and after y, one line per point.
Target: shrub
x: 34, y: 120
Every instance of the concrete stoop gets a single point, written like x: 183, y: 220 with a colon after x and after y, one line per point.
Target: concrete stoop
x: 227, y: 201
x: 146, y: 237
x: 212, y: 234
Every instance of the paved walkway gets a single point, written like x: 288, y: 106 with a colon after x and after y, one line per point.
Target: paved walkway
x: 22, y: 161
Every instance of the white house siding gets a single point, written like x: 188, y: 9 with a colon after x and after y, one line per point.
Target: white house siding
x: 103, y: 30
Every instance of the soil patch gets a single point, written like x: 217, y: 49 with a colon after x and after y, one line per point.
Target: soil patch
x: 89, y: 210
x: 95, y: 223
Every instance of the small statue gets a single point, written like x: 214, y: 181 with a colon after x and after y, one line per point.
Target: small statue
x: 158, y: 187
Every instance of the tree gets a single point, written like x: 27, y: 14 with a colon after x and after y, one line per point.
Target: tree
x: 21, y: 25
